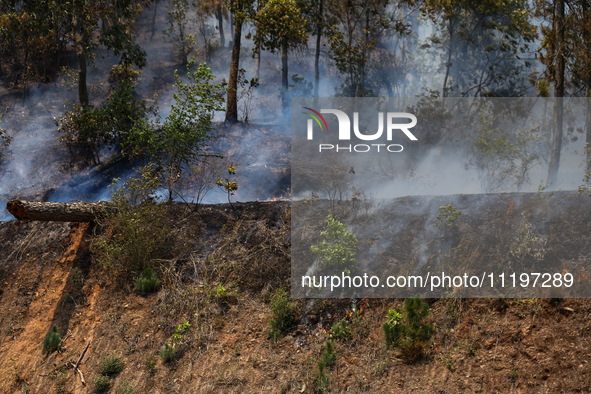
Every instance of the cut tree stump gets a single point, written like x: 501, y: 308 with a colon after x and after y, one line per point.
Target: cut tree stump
x: 57, y: 211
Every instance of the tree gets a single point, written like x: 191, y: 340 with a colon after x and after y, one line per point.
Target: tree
x: 5, y: 140
x: 120, y: 121
x: 31, y: 38
x: 241, y: 11
x: 257, y: 46
x: 565, y: 50
x: 280, y: 25
x: 114, y: 34
x: 481, y: 43
x: 337, y: 248
x: 361, y: 26
x: 552, y: 53
x: 178, y: 29
x: 185, y: 131
x: 318, y: 20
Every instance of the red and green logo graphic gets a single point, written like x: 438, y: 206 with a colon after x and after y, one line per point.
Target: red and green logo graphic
x: 316, y: 117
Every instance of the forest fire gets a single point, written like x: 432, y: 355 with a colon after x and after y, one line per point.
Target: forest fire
x: 170, y: 128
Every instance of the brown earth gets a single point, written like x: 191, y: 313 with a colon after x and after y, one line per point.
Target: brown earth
x: 480, y: 345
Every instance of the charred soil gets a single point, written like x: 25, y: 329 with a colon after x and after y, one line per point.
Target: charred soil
x: 224, y: 263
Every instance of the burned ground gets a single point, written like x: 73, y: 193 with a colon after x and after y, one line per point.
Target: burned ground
x: 49, y: 277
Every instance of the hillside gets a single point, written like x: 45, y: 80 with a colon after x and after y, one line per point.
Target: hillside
x: 49, y: 277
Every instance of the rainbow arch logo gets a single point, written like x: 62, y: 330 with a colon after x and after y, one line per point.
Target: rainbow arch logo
x: 316, y: 115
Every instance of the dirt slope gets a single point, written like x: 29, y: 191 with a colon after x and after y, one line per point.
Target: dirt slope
x: 480, y: 345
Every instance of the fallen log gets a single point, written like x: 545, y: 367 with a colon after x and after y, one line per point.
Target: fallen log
x: 57, y: 211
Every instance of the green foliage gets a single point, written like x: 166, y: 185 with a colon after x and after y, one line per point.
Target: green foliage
x: 340, y: 330
x: 111, y: 364
x: 327, y: 358
x: 101, y: 384
x: 178, y: 29
x: 167, y: 353
x: 119, y: 121
x: 186, y: 129
x: 411, y: 337
x: 300, y: 87
x: 53, y: 340
x: 180, y: 330
x: 125, y: 388
x: 280, y: 25
x: 123, y: 72
x: 282, y: 313
x: 221, y: 290
x: 337, y: 246
x: 137, y: 232
x: 148, y: 283
x: 447, y: 215
x: 227, y: 183
x: 502, y: 157
x: 480, y: 45
x: 151, y: 364
x: 353, y: 39
x: 168, y: 350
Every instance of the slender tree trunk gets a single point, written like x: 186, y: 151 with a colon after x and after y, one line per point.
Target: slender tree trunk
x: 587, y: 41
x: 82, y: 88
x: 154, y: 19
x: 284, y: 81
x: 588, y: 119
x: 232, y: 22
x: 317, y: 54
x: 448, y: 64
x: 257, y: 50
x: 558, y: 95
x: 232, y: 102
x: 220, y: 18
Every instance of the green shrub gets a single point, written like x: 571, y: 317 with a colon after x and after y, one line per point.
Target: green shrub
x: 148, y: 283
x: 101, y: 384
x: 340, y: 330
x: 125, y: 388
x: 121, y: 120
x: 167, y: 353
x: 111, y: 364
x: 137, y: 231
x: 53, y: 340
x: 337, y: 248
x: 282, y: 313
x: 327, y: 358
x: 412, y: 337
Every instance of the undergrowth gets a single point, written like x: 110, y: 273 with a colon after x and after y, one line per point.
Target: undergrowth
x: 405, y: 330
x: 282, y: 313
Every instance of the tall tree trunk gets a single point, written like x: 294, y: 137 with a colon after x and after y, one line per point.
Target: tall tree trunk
x: 588, y: 120
x: 317, y: 54
x: 587, y: 42
x: 232, y: 23
x: 257, y: 50
x: 82, y: 88
x: 220, y: 18
x: 154, y: 19
x: 558, y: 94
x: 284, y: 81
x: 232, y: 102
x: 448, y: 64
